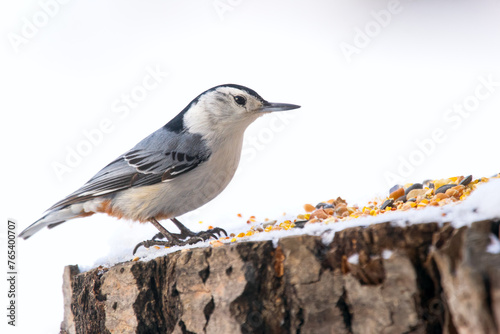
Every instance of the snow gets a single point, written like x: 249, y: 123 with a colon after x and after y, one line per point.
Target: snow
x: 386, y: 254
x: 482, y: 204
x: 494, y: 246
x: 353, y: 259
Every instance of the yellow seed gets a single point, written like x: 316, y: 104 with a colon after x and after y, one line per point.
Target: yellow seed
x: 136, y: 258
x: 249, y: 233
x: 439, y: 183
x: 307, y: 216
x: 373, y: 212
x: 233, y: 239
x: 425, y: 201
x: 200, y: 222
x: 413, y: 204
x: 269, y: 228
x: 241, y: 235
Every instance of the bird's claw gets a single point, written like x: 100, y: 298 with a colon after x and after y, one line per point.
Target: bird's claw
x: 218, y: 231
x: 205, y: 235
x: 212, y: 233
x: 153, y: 242
x: 149, y: 243
x: 181, y: 240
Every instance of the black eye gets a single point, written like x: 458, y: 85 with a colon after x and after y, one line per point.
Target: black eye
x: 240, y: 100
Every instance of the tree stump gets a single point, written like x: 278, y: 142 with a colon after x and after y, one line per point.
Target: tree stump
x: 382, y: 278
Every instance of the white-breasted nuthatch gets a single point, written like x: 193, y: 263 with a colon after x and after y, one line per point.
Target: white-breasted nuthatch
x: 178, y: 168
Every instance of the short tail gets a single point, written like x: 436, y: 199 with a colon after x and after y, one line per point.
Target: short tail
x: 50, y: 220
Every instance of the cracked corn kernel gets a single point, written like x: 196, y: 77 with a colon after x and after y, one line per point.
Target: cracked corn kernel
x: 240, y: 235
x: 309, y: 208
x: 217, y: 243
x: 233, y: 239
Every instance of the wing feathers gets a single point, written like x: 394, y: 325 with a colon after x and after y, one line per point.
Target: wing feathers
x: 160, y: 157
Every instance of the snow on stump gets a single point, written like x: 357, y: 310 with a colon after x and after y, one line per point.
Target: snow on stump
x: 423, y: 278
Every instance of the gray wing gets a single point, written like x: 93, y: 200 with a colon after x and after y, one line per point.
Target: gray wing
x: 160, y: 157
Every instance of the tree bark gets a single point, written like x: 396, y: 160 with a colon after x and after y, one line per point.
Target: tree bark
x: 423, y: 278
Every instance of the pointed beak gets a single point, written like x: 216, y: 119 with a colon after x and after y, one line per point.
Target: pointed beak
x: 271, y: 106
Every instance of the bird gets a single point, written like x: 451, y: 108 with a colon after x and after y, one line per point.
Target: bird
x: 178, y: 168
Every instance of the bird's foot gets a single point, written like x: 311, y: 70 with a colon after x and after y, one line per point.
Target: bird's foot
x: 153, y: 242
x: 186, y: 237
x: 205, y: 235
x: 187, y: 234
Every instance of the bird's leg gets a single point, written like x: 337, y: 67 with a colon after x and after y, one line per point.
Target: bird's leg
x: 186, y: 237
x: 160, y: 235
x: 187, y: 233
x: 163, y: 231
x: 176, y: 239
x: 172, y: 240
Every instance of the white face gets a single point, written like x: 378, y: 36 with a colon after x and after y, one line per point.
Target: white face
x: 224, y: 110
x: 228, y: 104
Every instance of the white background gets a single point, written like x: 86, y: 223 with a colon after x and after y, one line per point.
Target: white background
x: 360, y: 118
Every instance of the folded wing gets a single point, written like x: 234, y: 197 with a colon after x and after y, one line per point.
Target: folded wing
x: 160, y: 157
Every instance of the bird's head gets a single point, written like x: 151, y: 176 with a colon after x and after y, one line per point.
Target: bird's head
x: 225, y: 110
